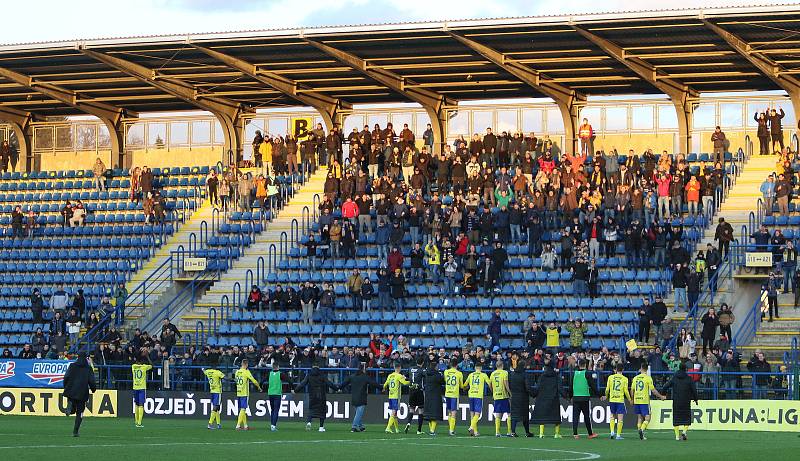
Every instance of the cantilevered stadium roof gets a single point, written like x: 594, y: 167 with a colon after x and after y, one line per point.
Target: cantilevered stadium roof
x: 696, y: 51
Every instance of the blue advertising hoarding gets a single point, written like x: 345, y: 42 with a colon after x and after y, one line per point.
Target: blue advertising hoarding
x: 32, y: 373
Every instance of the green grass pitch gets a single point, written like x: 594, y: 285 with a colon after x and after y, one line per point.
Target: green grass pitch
x: 38, y: 438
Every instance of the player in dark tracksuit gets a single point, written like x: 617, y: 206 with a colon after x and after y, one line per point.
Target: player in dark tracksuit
x: 683, y: 392
x: 521, y: 391
x: 416, y: 397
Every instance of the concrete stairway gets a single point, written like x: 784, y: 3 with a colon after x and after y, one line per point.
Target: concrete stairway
x: 155, y: 291
x: 272, y: 234
x: 775, y: 338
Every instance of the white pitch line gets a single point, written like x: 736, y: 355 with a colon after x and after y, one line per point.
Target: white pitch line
x: 583, y: 455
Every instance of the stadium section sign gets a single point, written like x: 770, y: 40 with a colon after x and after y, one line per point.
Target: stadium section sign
x: 51, y: 402
x: 734, y: 415
x: 758, y: 259
x: 33, y: 373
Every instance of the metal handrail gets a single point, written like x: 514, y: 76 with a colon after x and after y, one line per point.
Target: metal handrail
x: 272, y: 257
x: 294, y: 230
x: 212, y: 321
x: 261, y: 273
x: 749, y: 326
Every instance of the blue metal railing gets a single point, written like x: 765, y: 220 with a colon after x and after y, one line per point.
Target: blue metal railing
x: 748, y: 326
x: 185, y: 298
x: 706, y: 298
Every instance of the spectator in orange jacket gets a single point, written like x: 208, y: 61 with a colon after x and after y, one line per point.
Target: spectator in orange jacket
x: 693, y: 195
x: 585, y: 134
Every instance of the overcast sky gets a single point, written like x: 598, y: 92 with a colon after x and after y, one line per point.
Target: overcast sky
x: 84, y: 19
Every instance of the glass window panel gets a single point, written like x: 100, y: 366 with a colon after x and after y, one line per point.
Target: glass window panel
x: 532, y: 120
x: 178, y: 133
x: 85, y: 137
x: 458, y: 124
x: 554, y: 122
x: 317, y: 120
x: 592, y: 114
x: 43, y: 138
x: 134, y: 135
x: 788, y: 120
x: 353, y: 121
x: 422, y: 124
x: 64, y: 138
x: 616, y: 118
x: 4, y: 136
x: 705, y: 116
x: 753, y: 108
x: 278, y: 126
x: 642, y: 117
x: 219, y: 135
x: 156, y: 134
x: 506, y: 121
x: 730, y: 115
x: 379, y: 119
x: 667, y: 117
x: 201, y: 132
x: 103, y: 137
x: 400, y: 118
x: 482, y: 120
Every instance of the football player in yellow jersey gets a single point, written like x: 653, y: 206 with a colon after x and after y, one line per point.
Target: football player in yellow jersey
x: 394, y: 383
x: 453, y: 383
x: 617, y: 393
x: 641, y: 388
x: 498, y: 381
x: 243, y: 379
x: 139, y: 372
x: 215, y: 388
x: 477, y: 381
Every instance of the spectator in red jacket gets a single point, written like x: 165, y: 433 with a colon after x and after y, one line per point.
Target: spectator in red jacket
x: 395, y: 259
x: 375, y: 344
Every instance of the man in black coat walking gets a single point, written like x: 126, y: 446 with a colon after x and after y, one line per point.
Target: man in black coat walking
x: 433, y: 387
x: 683, y: 392
x: 78, y: 381
x: 318, y: 385
x: 359, y: 384
x: 547, y: 406
x: 521, y: 391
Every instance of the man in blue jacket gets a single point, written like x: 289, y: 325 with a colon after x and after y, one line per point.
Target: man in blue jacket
x: 768, y: 193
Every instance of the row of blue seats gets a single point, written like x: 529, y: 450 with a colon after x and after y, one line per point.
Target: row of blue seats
x: 74, y: 255
x: 441, y: 342
x: 770, y: 221
x: 90, y: 185
x: 116, y: 172
x: 67, y: 266
x: 57, y: 230
x: 68, y: 278
x: 90, y: 206
x: 18, y: 296
x: 86, y: 195
x: 241, y: 228
x: 409, y: 329
x: 481, y: 314
x: 83, y: 242
x: 227, y: 241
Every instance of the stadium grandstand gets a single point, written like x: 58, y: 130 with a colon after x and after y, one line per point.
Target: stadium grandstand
x: 620, y: 188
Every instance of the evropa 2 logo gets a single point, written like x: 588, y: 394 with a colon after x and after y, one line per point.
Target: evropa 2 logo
x: 52, y: 373
x: 7, y: 369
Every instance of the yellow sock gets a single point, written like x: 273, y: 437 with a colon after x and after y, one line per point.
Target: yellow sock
x: 497, y: 425
x: 243, y: 417
x: 432, y: 425
x: 558, y: 429
x: 613, y: 425
x: 677, y: 432
x: 541, y: 430
x: 685, y: 429
x: 212, y: 418
x: 139, y: 414
x: 218, y: 418
x: 508, y: 424
x: 638, y: 425
x: 474, y: 424
x: 619, y: 427
x: 644, y: 425
x: 390, y: 424
x: 451, y: 421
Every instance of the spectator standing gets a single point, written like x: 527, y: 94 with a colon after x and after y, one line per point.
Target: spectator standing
x: 762, y: 132
x: 710, y: 323
x: 354, y: 284
x: 767, y: 190
x: 760, y: 368
x: 645, y: 321
x: 99, y: 174
x: 308, y: 299
x: 494, y: 330
x: 261, y: 335
x: 771, y: 287
x: 718, y: 140
x: 120, y: 296
x: 327, y: 302
x: 789, y: 266
x: 367, y: 292
x: 37, y: 306
x: 776, y: 128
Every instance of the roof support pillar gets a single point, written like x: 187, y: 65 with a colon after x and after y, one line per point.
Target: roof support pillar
x: 20, y: 122
x: 568, y: 100
x: 227, y: 112
x: 435, y: 104
x: 682, y: 96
